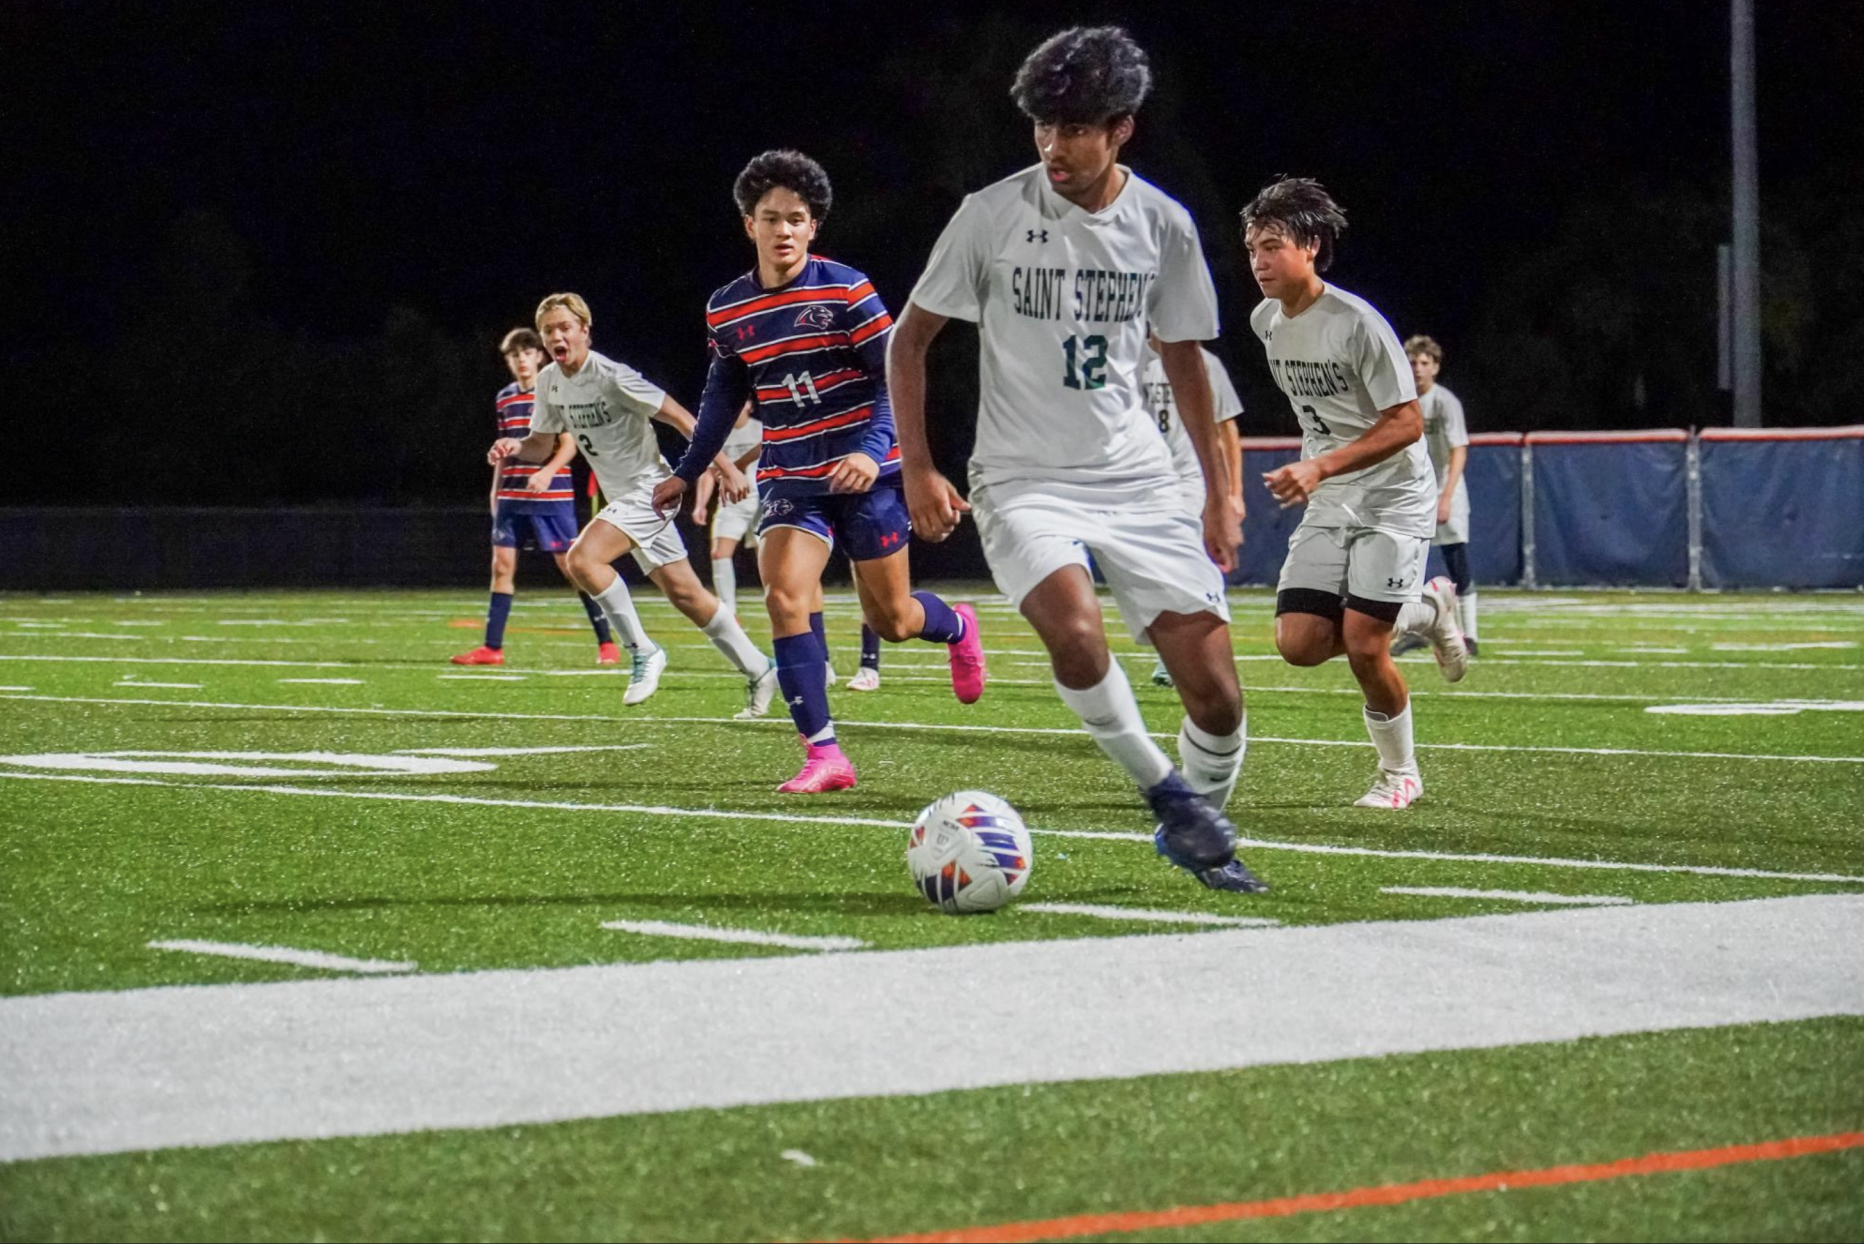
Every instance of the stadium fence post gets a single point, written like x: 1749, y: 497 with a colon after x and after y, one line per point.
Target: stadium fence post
x: 1529, y: 579
x: 1692, y: 458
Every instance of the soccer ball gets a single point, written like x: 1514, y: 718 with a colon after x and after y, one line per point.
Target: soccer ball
x: 969, y: 852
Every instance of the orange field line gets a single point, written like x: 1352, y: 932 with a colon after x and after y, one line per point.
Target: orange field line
x: 473, y: 624
x: 1386, y: 1194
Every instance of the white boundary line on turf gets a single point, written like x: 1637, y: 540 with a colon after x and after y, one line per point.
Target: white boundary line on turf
x: 748, y: 937
x: 518, y: 751
x: 1146, y: 914
x: 285, y: 954
x: 1512, y: 896
x: 790, y: 818
x: 913, y: 725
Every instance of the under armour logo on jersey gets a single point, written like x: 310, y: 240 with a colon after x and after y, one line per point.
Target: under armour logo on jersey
x: 746, y: 331
x: 816, y: 315
x: 1395, y: 584
x: 1038, y: 233
x: 890, y: 539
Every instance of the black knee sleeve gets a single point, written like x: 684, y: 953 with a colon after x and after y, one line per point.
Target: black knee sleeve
x: 1308, y: 600
x: 1385, y: 611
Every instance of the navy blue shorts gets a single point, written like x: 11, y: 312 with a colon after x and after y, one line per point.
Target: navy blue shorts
x: 866, y: 525
x: 549, y: 528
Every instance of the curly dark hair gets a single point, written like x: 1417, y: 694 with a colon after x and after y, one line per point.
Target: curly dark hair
x: 1302, y: 207
x: 791, y: 170
x: 1086, y: 75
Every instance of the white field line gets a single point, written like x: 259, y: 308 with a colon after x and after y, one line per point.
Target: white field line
x: 482, y: 677
x: 1098, y: 835
x: 108, y: 1072
x: 285, y: 954
x: 15, y: 688
x: 1146, y: 915
x: 1512, y: 896
x: 748, y: 937
x: 517, y: 751
x: 770, y: 722
x: 325, y: 682
x: 172, y: 686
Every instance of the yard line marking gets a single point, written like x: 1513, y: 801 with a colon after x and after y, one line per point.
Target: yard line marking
x: 516, y: 751
x: 70, y: 635
x: 285, y: 954
x: 1148, y: 915
x: 326, y: 682
x: 772, y: 723
x: 1099, y: 835
x: 1767, y: 708
x: 1385, y: 1194
x: 177, y: 686
x: 749, y: 937
x: 1513, y: 896
x: 1824, y: 643
x: 112, y: 1072
x: 15, y: 688
x: 482, y: 677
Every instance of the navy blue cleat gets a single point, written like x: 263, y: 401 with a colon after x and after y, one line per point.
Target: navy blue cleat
x: 1198, y: 838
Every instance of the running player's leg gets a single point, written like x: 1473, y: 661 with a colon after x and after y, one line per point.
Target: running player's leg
x: 606, y: 652
x: 1214, y: 735
x: 591, y: 567
x: 1456, y: 561
x: 820, y: 626
x: 1308, y: 623
x: 684, y: 591
x: 1383, y: 571
x: 725, y: 571
x: 875, y: 528
x: 791, y: 560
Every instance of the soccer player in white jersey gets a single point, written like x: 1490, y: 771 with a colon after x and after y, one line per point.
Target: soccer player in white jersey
x: 1447, y: 438
x: 735, y: 522
x: 1164, y: 408
x: 1063, y: 266
x: 607, y: 406
x: 1356, y: 562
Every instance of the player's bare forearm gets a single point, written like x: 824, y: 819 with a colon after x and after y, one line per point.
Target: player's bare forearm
x: 1231, y: 441
x: 533, y: 448
x: 1459, y: 457
x: 676, y: 417
x: 1190, y: 388
x: 910, y: 342
x: 1396, y: 428
x: 565, y: 451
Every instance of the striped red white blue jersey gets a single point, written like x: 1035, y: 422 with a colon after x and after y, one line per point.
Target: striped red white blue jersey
x: 812, y: 355
x: 514, y: 420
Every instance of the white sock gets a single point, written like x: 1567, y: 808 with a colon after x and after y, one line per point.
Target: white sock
x: 1466, y: 609
x: 618, y: 607
x: 725, y: 583
x: 1212, y: 762
x: 1418, y: 616
x: 1392, y: 736
x: 729, y: 638
x: 1112, y: 718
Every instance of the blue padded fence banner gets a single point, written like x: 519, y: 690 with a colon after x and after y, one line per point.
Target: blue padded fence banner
x: 1783, y: 508
x: 1266, y: 526
x: 1611, y: 508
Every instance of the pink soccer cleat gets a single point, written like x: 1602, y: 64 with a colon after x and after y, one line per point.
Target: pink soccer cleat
x: 826, y: 769
x: 967, y: 659
x: 608, y: 654
x: 481, y: 656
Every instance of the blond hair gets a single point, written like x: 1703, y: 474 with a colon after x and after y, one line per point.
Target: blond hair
x: 573, y: 303
x: 1426, y: 346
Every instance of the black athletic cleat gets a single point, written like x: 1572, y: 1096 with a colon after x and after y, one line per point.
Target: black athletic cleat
x: 1469, y: 642
x: 1234, y: 876
x: 1191, y: 833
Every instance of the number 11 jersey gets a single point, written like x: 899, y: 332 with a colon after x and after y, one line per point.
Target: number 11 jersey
x: 1063, y: 299
x: 1340, y: 364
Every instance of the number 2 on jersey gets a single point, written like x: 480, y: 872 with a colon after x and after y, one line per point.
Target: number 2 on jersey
x: 1315, y: 423
x: 582, y: 438
x: 1086, y: 365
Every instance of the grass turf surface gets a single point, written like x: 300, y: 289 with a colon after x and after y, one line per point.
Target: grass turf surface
x: 95, y: 871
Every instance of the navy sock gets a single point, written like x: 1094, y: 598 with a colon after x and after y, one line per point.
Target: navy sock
x: 600, y: 623
x: 495, y: 619
x: 870, y: 648
x: 821, y: 632
x: 943, y: 625
x: 799, y: 673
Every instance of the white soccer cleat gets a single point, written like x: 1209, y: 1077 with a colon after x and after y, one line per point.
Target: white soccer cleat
x: 828, y: 675
x: 1445, y: 636
x: 645, y: 679
x: 1395, y: 789
x: 758, y: 694
x: 867, y: 678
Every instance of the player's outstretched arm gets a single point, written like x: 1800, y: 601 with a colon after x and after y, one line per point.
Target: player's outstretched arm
x: 1397, y: 427
x: 1190, y: 386
x: 935, y: 505
x: 530, y: 449
x: 544, y: 475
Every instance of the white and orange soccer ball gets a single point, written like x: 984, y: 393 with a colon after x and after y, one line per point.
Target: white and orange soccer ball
x: 969, y: 852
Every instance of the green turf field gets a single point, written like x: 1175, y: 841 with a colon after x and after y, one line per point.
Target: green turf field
x: 306, y: 772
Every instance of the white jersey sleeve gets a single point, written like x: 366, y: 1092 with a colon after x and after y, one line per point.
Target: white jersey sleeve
x: 1383, y: 366
x: 1444, y: 429
x: 544, y: 416
x: 957, y: 276
x: 1182, y: 303
x: 1222, y: 390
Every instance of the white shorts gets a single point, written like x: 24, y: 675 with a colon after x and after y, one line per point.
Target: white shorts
x: 735, y: 522
x: 656, y: 540
x: 1355, y: 561
x: 1153, y: 558
x: 1456, y: 531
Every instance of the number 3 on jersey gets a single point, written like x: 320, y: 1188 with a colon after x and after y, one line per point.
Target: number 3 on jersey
x: 1086, y: 362
x: 1314, y: 423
